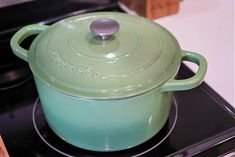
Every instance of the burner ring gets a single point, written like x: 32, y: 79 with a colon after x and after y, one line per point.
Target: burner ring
x: 16, y: 84
x: 174, y: 109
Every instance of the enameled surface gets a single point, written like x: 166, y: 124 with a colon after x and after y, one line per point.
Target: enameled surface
x: 105, y: 125
x: 140, y: 56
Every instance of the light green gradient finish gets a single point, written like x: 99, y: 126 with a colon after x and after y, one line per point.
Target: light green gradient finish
x: 104, y: 125
x: 106, y: 95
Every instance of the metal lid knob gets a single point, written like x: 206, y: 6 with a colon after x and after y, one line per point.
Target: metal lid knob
x: 104, y: 27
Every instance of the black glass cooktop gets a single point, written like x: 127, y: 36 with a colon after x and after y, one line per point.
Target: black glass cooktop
x: 201, y: 123
x: 205, y: 123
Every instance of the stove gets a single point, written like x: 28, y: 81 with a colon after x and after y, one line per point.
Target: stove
x: 201, y: 123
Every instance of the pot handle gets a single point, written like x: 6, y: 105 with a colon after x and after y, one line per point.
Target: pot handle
x: 185, y: 84
x: 21, y: 35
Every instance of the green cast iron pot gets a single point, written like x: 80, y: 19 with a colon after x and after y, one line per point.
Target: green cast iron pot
x: 105, y: 80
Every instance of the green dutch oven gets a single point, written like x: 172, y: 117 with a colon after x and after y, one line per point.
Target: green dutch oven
x: 105, y: 80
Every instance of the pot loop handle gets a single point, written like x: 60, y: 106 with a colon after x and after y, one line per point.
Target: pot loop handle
x: 185, y: 84
x: 21, y: 35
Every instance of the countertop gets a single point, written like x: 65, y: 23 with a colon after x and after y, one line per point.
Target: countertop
x: 207, y: 27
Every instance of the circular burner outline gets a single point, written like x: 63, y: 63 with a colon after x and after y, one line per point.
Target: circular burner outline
x: 137, y: 155
x: 17, y: 84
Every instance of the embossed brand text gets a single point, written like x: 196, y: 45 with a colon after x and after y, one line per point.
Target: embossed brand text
x: 87, y: 71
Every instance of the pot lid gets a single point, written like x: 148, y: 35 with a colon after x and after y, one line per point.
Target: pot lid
x: 105, y: 55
